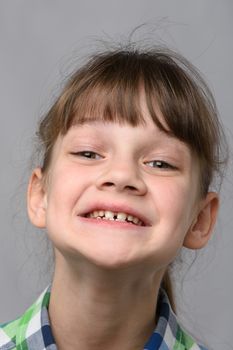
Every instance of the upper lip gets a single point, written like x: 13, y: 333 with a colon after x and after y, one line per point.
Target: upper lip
x: 115, y: 208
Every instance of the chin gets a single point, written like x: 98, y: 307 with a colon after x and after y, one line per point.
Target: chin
x: 110, y: 260
x: 111, y: 252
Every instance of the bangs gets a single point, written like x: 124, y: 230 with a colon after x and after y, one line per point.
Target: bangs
x: 118, y: 104
x: 114, y: 95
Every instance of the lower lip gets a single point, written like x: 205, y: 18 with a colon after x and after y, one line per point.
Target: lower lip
x: 111, y: 223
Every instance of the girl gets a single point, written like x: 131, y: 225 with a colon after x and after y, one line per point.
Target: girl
x: 130, y: 149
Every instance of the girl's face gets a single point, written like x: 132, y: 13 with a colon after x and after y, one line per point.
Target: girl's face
x: 122, y: 169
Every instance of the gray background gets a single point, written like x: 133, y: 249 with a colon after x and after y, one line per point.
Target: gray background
x: 38, y: 43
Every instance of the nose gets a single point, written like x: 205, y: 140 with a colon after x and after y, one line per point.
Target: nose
x: 122, y: 177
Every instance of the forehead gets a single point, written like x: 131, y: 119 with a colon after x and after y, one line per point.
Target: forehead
x: 142, y: 137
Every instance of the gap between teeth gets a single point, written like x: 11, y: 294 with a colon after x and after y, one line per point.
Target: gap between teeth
x: 107, y: 215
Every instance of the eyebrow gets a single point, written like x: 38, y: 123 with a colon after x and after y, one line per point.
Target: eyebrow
x: 96, y: 124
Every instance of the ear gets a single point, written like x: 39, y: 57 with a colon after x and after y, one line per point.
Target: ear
x: 36, y: 199
x: 202, y: 227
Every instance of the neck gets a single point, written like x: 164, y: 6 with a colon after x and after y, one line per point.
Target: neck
x: 95, y: 308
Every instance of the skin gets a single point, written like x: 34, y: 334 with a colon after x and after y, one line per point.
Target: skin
x: 107, y: 278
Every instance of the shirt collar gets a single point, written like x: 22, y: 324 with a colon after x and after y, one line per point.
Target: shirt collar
x: 34, y: 331
x: 164, y: 335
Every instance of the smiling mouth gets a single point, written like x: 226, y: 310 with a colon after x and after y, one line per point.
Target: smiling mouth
x: 114, y: 216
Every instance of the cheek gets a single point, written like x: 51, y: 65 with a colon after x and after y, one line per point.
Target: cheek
x: 64, y: 183
x: 64, y: 191
x: 66, y: 186
x: 60, y: 199
x: 173, y: 207
x: 174, y: 203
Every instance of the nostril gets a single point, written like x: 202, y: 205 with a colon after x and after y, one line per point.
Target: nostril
x: 109, y: 184
x: 131, y: 188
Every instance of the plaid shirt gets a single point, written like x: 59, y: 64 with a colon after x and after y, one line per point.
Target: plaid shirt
x: 32, y: 331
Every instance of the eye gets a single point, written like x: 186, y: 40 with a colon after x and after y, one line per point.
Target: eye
x: 161, y: 165
x: 87, y: 154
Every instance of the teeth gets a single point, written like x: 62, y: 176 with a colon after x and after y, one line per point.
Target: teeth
x: 130, y: 218
x: 109, y: 215
x: 136, y: 221
x: 121, y: 216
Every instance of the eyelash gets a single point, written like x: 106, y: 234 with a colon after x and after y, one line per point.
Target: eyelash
x: 160, y: 163
x: 81, y: 154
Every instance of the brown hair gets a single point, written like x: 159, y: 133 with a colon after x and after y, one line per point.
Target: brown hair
x: 108, y: 87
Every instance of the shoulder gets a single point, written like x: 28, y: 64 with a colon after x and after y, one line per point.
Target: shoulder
x: 18, y: 334
x: 8, y: 333
x: 173, y: 334
x: 185, y: 341
x: 14, y: 334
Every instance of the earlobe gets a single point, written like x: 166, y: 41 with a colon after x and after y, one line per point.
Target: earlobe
x: 202, y: 227
x: 36, y: 199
